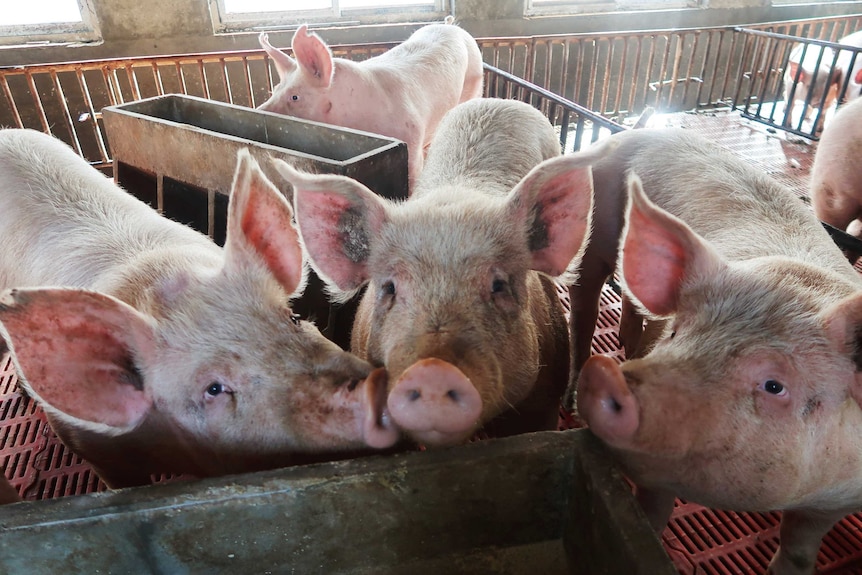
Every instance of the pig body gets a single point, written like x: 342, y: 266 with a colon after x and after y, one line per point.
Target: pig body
x: 402, y: 93
x: 152, y: 349
x: 836, y: 186
x: 749, y: 399
x: 812, y: 76
x: 851, y: 69
x: 459, y: 305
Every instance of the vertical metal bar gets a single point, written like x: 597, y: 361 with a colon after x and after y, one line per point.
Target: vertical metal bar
x: 606, y: 81
x: 620, y: 76
x: 638, y: 50
x: 564, y: 70
x: 592, y: 79
x: 708, y: 63
x: 650, y: 61
x: 181, y: 77
x: 746, y: 51
x: 564, y: 129
x: 248, y: 89
x: 204, y: 82
x: 12, y: 106
x: 689, y: 70
x: 227, y: 91
x: 157, y: 79
x: 37, y: 101
x: 133, y: 82
x: 91, y: 110
x: 674, y: 77
x: 579, y: 132
x: 160, y: 192
x: 663, y: 71
x: 113, y: 98
x: 67, y: 116
x: 730, y: 60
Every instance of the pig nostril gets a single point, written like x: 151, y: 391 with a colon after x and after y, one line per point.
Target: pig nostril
x: 615, y: 405
x: 413, y: 395
x: 453, y: 395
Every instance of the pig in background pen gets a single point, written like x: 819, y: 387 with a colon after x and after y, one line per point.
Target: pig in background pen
x: 402, y: 93
x: 460, y: 306
x: 817, y: 78
x: 159, y: 351
x: 748, y: 398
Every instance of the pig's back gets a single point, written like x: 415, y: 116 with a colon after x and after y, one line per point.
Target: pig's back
x: 488, y: 144
x: 63, y: 223
x: 741, y: 211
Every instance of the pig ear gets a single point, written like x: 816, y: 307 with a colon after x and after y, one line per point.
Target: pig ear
x: 260, y: 222
x: 555, y: 199
x: 660, y: 252
x: 337, y: 217
x: 284, y: 64
x: 858, y: 77
x: 78, y: 352
x: 313, y: 56
x: 843, y: 325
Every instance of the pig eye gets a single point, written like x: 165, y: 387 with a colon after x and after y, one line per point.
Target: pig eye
x: 775, y: 388
x: 388, y: 287
x: 294, y: 97
x: 294, y: 318
x: 500, y: 286
x: 216, y: 388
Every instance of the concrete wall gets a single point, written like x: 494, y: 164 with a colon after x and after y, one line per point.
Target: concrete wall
x: 133, y: 27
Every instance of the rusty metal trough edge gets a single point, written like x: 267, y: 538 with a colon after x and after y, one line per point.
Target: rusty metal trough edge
x: 461, y: 508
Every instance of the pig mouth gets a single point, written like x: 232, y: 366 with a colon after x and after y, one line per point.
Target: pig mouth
x: 379, y: 430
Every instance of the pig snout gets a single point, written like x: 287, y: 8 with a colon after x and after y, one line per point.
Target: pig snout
x: 379, y: 431
x: 435, y: 403
x: 605, y: 401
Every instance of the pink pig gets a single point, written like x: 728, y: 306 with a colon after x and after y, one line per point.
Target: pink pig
x: 836, y: 175
x: 159, y: 351
x: 750, y: 398
x: 402, y: 93
x: 810, y: 67
x: 459, y: 305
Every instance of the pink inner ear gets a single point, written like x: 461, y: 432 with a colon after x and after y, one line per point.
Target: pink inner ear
x: 313, y: 55
x: 267, y: 226
x: 335, y: 231
x: 77, y: 352
x: 858, y: 77
x: 655, y: 258
x: 792, y: 68
x: 564, y: 203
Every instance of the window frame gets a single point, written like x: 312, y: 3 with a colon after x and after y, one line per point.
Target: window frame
x: 226, y: 23
x: 563, y: 7
x: 54, y: 33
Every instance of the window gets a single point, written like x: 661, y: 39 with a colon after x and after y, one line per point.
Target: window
x: 538, y: 7
x: 47, y: 21
x: 237, y: 15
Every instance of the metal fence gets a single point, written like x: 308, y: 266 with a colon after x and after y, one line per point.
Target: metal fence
x: 616, y: 75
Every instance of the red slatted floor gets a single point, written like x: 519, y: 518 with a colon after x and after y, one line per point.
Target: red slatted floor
x: 698, y: 540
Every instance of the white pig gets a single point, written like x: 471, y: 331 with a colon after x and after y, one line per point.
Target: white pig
x: 836, y: 175
x: 153, y: 350
x: 460, y: 307
x: 810, y: 69
x: 402, y: 93
x: 751, y: 398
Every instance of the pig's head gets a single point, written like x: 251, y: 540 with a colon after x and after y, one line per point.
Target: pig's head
x: 304, y: 82
x: 454, y: 306
x: 210, y: 372
x: 751, y: 399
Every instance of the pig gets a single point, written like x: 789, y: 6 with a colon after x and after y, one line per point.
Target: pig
x: 851, y: 68
x: 402, y: 93
x: 750, y: 397
x: 812, y: 76
x: 153, y: 350
x: 835, y: 183
x: 460, y: 305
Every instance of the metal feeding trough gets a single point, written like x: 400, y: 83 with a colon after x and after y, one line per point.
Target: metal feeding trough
x: 549, y: 502
x: 178, y: 153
